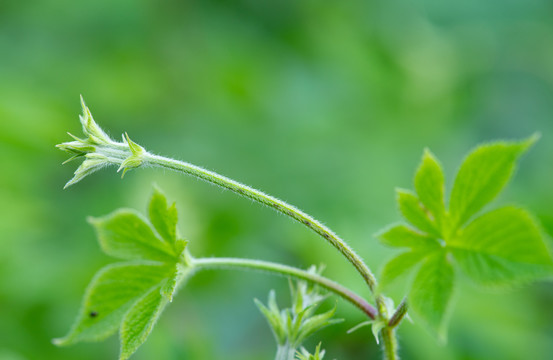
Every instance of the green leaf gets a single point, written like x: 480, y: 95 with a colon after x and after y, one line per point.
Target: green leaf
x: 415, y: 213
x: 110, y: 295
x: 502, y: 247
x: 403, y: 236
x: 180, y: 272
x: 273, y: 315
x: 316, y: 323
x: 483, y: 174
x: 162, y: 217
x: 399, y: 266
x: 429, y: 185
x: 125, y: 234
x: 140, y: 320
x: 131, y: 296
x: 431, y: 292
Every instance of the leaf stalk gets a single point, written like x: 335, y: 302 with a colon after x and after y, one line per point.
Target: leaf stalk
x: 285, y: 270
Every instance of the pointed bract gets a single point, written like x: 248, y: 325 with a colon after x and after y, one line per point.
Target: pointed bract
x: 126, y: 155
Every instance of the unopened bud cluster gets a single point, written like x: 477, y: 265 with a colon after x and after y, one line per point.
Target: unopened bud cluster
x: 99, y: 150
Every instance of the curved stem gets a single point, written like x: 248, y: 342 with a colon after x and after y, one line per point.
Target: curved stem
x: 279, y: 269
x: 270, y: 201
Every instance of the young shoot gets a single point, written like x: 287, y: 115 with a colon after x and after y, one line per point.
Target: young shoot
x: 443, y: 235
x: 292, y: 326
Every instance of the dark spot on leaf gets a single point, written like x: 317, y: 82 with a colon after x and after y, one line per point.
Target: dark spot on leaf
x: 93, y: 314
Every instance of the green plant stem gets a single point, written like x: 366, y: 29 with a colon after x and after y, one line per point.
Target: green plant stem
x: 279, y: 269
x: 285, y: 352
x: 270, y: 201
x: 389, y: 343
x: 388, y: 334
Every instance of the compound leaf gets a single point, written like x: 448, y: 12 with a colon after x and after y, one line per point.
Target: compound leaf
x: 483, y: 174
x: 432, y: 290
x: 125, y: 234
x: 131, y: 296
x: 502, y: 247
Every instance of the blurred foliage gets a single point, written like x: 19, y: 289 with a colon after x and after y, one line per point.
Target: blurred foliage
x: 325, y: 104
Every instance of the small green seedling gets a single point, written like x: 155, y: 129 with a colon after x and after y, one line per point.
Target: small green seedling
x: 293, y: 325
x: 496, y: 248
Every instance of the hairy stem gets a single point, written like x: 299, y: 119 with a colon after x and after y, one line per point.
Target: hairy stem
x: 398, y: 315
x: 270, y: 201
x: 279, y: 269
x: 388, y: 333
x: 389, y: 343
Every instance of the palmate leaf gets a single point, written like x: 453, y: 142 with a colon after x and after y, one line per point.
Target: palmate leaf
x: 130, y: 296
x: 503, y: 247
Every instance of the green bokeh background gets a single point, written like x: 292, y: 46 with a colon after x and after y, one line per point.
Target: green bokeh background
x: 325, y: 104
